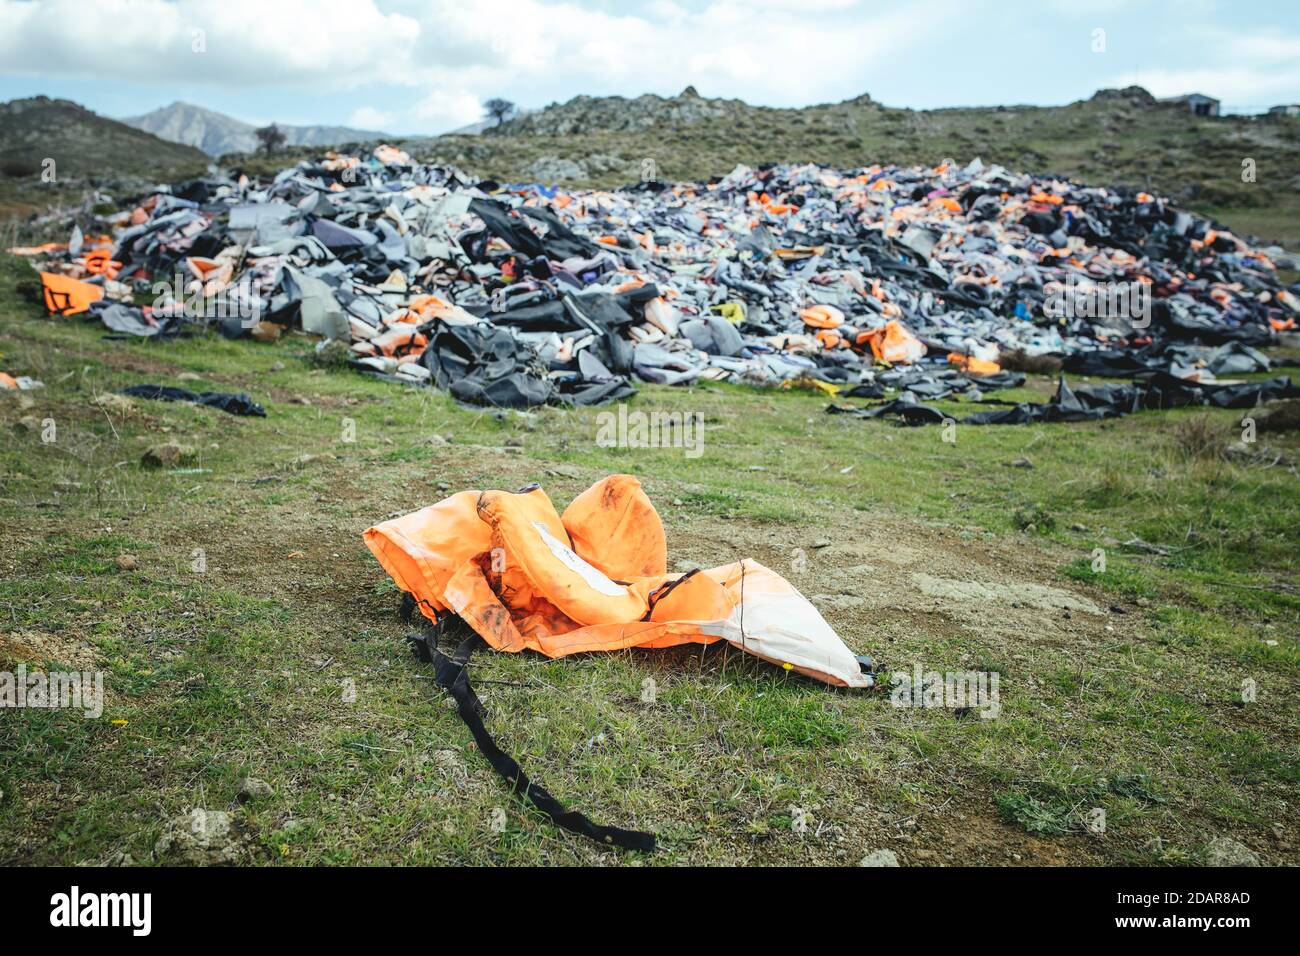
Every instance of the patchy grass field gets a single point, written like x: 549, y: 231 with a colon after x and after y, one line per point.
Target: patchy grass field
x: 1120, y: 689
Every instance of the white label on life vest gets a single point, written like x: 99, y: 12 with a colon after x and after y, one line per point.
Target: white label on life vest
x: 574, y: 563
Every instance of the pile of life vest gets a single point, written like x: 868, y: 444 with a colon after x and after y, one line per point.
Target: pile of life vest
x: 795, y: 272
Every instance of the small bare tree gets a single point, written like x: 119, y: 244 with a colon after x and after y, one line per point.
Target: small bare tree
x: 271, y: 137
x: 499, y: 109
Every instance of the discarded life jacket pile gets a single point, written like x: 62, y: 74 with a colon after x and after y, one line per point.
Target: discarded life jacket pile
x: 522, y: 295
x: 524, y: 577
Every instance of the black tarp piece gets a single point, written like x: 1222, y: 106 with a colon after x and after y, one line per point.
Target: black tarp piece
x: 233, y: 403
x: 561, y: 242
x: 910, y: 412
x: 1082, y: 403
x: 1229, y: 358
x: 489, y: 365
x: 485, y: 365
x: 503, y: 225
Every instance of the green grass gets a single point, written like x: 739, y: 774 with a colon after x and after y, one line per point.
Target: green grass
x: 240, y: 669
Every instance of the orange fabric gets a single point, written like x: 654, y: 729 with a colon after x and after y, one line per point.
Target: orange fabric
x: 893, y: 343
x: 400, y: 341
x: 798, y: 252
x: 101, y: 262
x: 830, y: 339
x: 430, y: 307
x: 975, y: 366
x: 536, y: 566
x: 425, y: 549
x: 526, y: 579
x: 822, y: 317
x: 8, y: 381
x: 67, y: 296
x: 631, y: 284
x: 614, y: 523
x: 43, y: 249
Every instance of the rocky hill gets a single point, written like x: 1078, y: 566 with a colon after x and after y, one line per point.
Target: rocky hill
x: 88, y: 151
x: 82, y: 143
x: 590, y: 114
x: 1115, y: 137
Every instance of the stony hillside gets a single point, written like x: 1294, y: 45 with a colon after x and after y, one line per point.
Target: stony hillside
x: 88, y: 150
x: 603, y: 114
x: 83, y: 143
x: 1117, y: 136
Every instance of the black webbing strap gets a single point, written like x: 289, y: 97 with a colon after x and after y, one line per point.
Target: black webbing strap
x: 451, y: 677
x: 57, y: 302
x: 661, y: 592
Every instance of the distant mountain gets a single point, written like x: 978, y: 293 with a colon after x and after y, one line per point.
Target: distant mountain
x: 83, y: 143
x: 217, y: 134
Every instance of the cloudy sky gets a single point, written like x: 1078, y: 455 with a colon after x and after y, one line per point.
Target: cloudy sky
x: 425, y: 66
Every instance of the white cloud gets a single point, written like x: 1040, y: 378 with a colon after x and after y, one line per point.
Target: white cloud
x: 1266, y: 48
x: 426, y: 65
x: 447, y: 109
x: 329, y: 43
x: 1244, y: 71
x: 787, y: 52
x: 1235, y: 86
x: 367, y: 117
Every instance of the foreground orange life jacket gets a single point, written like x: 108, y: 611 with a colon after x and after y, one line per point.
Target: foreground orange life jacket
x: 595, y: 579
x: 526, y: 579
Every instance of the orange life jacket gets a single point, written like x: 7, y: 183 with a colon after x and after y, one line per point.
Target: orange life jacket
x: 67, y: 296
x: 893, y: 343
x: 526, y: 579
x: 822, y: 317
x: 523, y: 577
